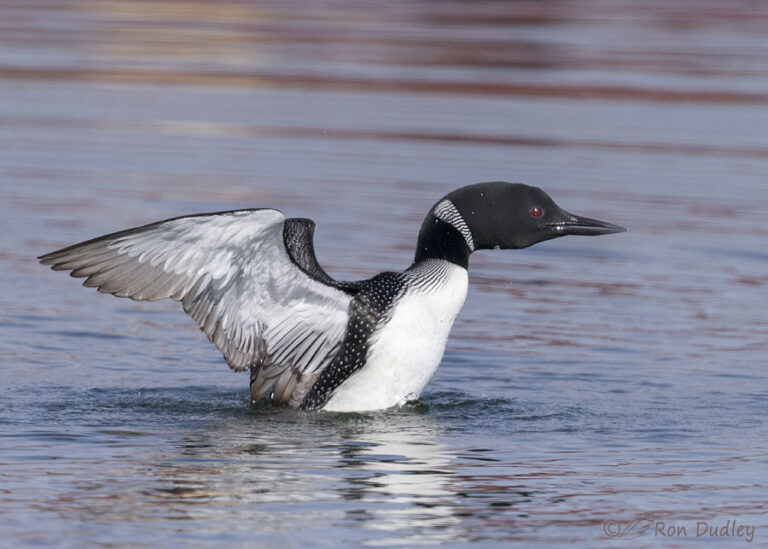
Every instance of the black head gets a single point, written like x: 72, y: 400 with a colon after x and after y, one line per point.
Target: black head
x: 501, y: 215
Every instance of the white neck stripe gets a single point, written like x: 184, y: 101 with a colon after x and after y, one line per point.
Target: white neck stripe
x: 446, y: 211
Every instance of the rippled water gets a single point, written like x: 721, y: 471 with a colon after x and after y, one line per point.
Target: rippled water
x: 587, y: 380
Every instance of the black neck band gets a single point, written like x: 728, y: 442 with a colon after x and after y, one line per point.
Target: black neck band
x: 441, y: 240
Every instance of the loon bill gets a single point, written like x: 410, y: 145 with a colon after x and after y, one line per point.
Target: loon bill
x: 251, y: 281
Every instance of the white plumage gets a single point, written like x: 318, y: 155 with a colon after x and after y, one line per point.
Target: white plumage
x: 406, y: 349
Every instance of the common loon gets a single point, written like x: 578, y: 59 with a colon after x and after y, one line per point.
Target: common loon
x: 251, y: 281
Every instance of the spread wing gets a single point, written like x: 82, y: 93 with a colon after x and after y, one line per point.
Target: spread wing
x: 235, y: 278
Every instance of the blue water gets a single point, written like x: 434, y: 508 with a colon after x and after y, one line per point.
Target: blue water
x: 589, y: 383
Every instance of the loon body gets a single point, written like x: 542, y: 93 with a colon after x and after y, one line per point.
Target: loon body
x: 251, y: 281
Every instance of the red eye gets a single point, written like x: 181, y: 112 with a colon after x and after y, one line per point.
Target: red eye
x: 536, y: 212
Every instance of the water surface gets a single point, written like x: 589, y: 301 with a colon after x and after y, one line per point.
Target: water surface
x: 586, y: 380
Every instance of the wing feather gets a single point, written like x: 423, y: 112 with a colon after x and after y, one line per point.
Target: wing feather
x: 235, y: 278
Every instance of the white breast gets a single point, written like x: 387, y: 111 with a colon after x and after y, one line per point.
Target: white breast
x: 405, y: 352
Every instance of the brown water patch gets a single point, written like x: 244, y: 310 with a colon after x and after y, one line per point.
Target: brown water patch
x: 264, y: 79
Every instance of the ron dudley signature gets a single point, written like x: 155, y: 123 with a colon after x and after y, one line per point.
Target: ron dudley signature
x: 652, y: 524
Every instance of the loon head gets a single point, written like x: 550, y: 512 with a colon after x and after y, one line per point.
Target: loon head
x: 498, y: 215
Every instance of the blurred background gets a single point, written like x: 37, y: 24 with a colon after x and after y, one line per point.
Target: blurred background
x: 586, y: 380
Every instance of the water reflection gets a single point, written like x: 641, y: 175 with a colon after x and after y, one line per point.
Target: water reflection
x: 410, y: 474
x: 157, y: 457
x: 388, y: 473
